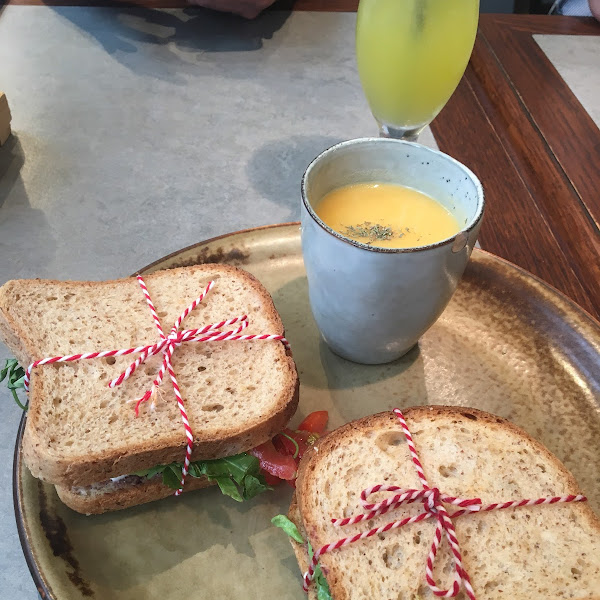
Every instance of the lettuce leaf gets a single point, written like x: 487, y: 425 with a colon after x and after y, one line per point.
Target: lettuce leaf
x: 289, y: 527
x: 15, y: 376
x: 237, y: 476
x: 321, y: 585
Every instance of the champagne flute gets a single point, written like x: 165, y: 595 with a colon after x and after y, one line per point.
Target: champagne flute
x: 411, y: 55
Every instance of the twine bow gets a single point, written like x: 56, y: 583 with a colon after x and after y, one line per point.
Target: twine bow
x: 166, y: 346
x: 433, y: 502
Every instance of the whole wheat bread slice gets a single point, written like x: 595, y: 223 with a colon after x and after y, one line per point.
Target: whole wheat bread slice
x: 79, y: 431
x: 550, y: 552
x: 128, y: 491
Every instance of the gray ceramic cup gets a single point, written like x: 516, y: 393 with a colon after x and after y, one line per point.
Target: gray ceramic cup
x: 373, y: 304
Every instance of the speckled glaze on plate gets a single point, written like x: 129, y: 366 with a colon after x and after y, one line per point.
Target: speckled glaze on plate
x: 507, y: 344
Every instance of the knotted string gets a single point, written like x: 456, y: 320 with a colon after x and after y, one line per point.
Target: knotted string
x: 433, y: 502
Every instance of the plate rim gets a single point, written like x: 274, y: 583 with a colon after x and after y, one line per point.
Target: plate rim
x: 43, y: 587
x: 216, y: 238
x: 39, y: 580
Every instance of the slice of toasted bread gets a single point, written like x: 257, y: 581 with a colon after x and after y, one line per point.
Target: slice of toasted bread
x: 115, y: 495
x: 79, y: 431
x: 550, y: 551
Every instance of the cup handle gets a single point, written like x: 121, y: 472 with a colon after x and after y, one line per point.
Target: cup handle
x: 460, y: 241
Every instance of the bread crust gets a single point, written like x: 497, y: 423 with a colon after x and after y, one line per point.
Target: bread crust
x: 300, y: 550
x: 122, y: 459
x: 309, y: 465
x: 118, y: 497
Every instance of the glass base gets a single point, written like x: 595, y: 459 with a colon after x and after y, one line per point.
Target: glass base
x: 409, y: 134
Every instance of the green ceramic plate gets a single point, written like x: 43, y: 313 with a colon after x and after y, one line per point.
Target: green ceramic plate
x: 507, y: 343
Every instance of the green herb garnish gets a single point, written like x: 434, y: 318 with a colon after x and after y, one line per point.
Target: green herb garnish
x: 297, y: 448
x: 319, y: 580
x: 374, y: 232
x: 237, y: 476
x: 16, y: 379
x: 289, y: 527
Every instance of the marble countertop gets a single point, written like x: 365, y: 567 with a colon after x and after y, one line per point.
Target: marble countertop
x: 138, y: 132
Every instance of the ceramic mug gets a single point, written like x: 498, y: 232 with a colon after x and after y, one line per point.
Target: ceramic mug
x: 373, y: 304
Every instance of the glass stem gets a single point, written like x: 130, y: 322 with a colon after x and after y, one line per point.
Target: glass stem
x: 409, y: 134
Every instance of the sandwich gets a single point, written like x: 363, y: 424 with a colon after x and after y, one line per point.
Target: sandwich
x: 471, y: 461
x: 107, y: 447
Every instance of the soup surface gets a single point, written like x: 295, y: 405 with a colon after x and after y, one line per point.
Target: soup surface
x: 386, y: 215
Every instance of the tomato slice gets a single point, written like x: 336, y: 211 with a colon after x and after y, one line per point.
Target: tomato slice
x: 285, y: 443
x: 283, y: 446
x: 292, y: 443
x: 315, y: 422
x: 270, y: 479
x: 274, y: 463
x: 279, y: 457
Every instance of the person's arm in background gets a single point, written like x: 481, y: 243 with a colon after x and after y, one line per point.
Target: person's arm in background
x: 246, y: 8
x: 595, y: 8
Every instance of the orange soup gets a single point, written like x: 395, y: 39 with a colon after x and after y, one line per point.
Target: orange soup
x: 386, y: 215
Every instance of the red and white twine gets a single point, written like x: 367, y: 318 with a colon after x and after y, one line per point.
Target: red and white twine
x: 433, y: 501
x: 166, y: 346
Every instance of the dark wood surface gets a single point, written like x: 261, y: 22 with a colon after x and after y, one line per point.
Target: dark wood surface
x: 516, y: 123
x: 549, y: 100
x: 535, y: 149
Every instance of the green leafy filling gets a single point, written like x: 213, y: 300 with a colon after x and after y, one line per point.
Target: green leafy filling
x: 237, y: 476
x: 15, y: 376
x: 321, y: 584
x: 319, y: 580
x: 289, y: 527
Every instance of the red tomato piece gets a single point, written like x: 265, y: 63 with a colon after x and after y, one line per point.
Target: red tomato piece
x: 284, y: 442
x: 301, y: 439
x: 281, y: 445
x: 271, y: 461
x: 315, y: 422
x: 270, y: 479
